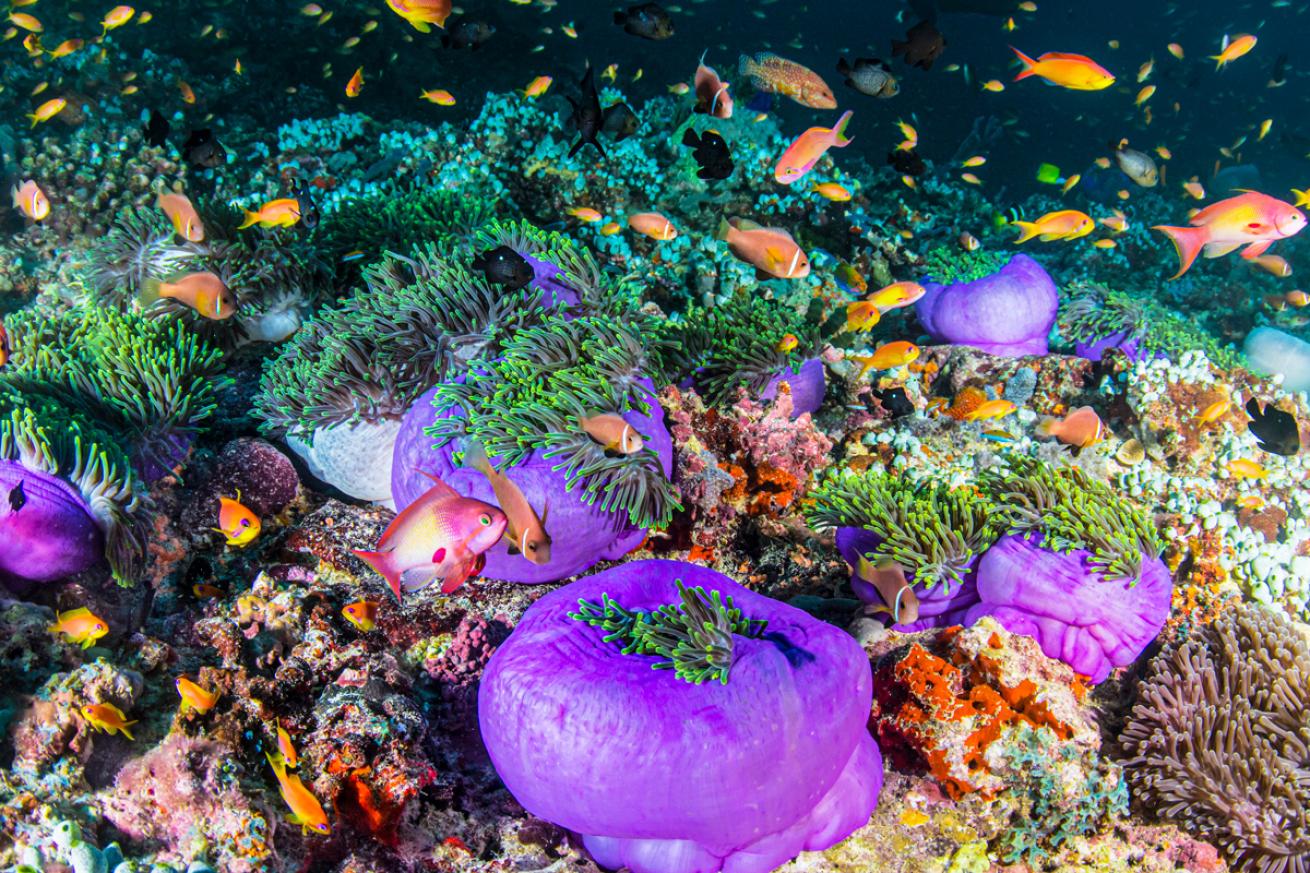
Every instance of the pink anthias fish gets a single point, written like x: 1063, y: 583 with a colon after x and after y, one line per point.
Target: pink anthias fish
x: 1253, y: 220
x: 801, y: 156
x: 442, y: 535
x: 712, y: 97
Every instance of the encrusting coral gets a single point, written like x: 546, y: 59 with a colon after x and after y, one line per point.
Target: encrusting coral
x: 1218, y: 740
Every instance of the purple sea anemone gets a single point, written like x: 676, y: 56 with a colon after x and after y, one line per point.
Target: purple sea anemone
x: 1009, y: 312
x: 942, y: 605
x: 749, y: 747
x: 807, y: 383
x: 47, y: 530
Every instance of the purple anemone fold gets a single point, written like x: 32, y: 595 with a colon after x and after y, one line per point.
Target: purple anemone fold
x: 581, y: 534
x: 1093, y: 348
x: 1091, y: 623
x: 661, y: 775
x: 47, y: 531
x: 807, y: 384
x: 1007, y: 313
x: 547, y: 279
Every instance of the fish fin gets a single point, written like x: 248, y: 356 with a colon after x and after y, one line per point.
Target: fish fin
x: 1027, y: 230
x: 690, y: 138
x: 437, y: 483
x: 452, y: 583
x: 125, y: 732
x: 152, y: 289
x: 1256, y: 249
x: 844, y: 67
x: 1218, y: 250
x: 745, y: 67
x: 1029, y: 65
x: 378, y: 561
x: 421, y: 26
x: 475, y: 456
x: 1046, y: 427
x: 251, y: 218
x: 839, y: 138
x: 1188, y: 242
x: 725, y: 228
x: 763, y: 276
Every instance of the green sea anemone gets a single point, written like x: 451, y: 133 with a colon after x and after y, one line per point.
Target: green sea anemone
x: 947, y: 266
x: 397, y: 222
x: 693, y: 639
x: 928, y: 528
x: 1090, y: 311
x: 736, y: 344
x: 1073, y: 511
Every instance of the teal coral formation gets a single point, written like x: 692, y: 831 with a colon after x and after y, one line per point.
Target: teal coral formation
x: 1061, y: 792
x: 947, y: 266
x: 1092, y: 311
x: 736, y: 344
x: 694, y: 639
x: 937, y: 531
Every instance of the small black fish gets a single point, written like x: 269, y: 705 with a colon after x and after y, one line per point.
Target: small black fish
x: 869, y: 76
x: 17, y: 499
x: 711, y: 152
x: 923, y: 44
x: 467, y: 34
x: 1278, y: 78
x: 620, y: 121
x: 907, y: 163
x: 895, y: 401
x: 646, y: 20
x: 587, y: 117
x: 202, y: 150
x: 1276, y: 431
x: 156, y: 129
x: 505, y: 267
x: 304, y: 195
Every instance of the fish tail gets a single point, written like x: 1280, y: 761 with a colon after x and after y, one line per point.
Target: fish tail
x: 1188, y: 241
x: 152, y: 289
x: 1029, y: 65
x: 379, y: 562
x: 251, y: 218
x: 724, y: 229
x: 1027, y: 230
x: 125, y: 732
x: 1046, y: 426
x: 843, y: 67
x: 690, y: 138
x: 1302, y: 197
x: 475, y: 456
x: 747, y: 67
x: 279, y: 768
x: 1218, y: 61
x: 839, y: 137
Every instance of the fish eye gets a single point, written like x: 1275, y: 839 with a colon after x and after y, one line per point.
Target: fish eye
x: 484, y: 519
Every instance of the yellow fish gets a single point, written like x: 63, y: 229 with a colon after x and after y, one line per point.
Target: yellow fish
x: 195, y: 697
x: 283, y: 212
x: 306, y: 811
x: 237, y: 522
x: 991, y: 409
x: 362, y: 614
x: 79, y: 626
x: 1214, y: 411
x: 48, y: 110
x: 1246, y: 469
x: 107, y: 718
x: 439, y: 96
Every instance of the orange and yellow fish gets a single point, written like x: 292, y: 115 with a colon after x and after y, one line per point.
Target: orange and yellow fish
x: 1243, y: 468
x: 286, y: 750
x: 182, y: 215
x: 79, y: 626
x: 422, y: 14
x: 195, y: 697
x: 1214, y: 411
x: 306, y: 811
x: 362, y: 614
x: 805, y: 151
x: 1233, y: 48
x: 833, y: 191
x: 48, y: 110
x: 439, y: 96
x: 889, y: 355
x: 537, y: 86
x: 1080, y: 428
x: 774, y: 75
x: 897, y: 295
x: 1076, y: 72
x: 116, y: 17
x: 356, y: 83
x: 862, y: 315
x: 283, y: 212
x: 1066, y: 224
x: 204, y: 292
x: 653, y: 225
x: 612, y: 432
x: 30, y: 200
x: 991, y: 409
x: 1252, y: 219
x: 237, y: 522
x: 107, y: 718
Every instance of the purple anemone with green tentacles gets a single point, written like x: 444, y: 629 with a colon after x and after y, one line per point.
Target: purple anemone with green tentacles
x: 681, y: 723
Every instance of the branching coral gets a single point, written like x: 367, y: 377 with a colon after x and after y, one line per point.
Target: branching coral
x: 1093, y: 316
x: 737, y: 345
x: 1218, y: 740
x: 929, y: 529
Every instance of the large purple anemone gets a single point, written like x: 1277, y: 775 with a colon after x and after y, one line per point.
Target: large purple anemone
x: 749, y: 746
x: 1009, y: 312
x: 47, y: 528
x: 581, y: 533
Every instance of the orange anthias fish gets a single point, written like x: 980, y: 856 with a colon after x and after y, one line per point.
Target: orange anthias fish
x: 107, y: 718
x: 283, y: 212
x: 306, y: 811
x: 897, y: 296
x: 991, y: 409
x: 30, y: 200
x: 537, y: 86
x: 79, y: 626
x: 1080, y: 428
x: 65, y: 48
x: 862, y: 315
x: 1243, y: 468
x: 27, y: 22
x: 894, y: 354
x: 888, y: 578
x: 237, y: 522
x: 1253, y: 220
x: 422, y: 14
x: 442, y: 535
x: 195, y: 697
x: 585, y: 213
x: 439, y: 96
x: 1076, y: 72
x: 775, y: 75
x: 116, y: 17
x: 801, y: 156
x: 653, y: 225
x: 525, y: 532
x: 712, y: 96
x: 48, y: 110
x: 203, y: 292
x: 286, y: 750
x: 613, y: 433
x: 1233, y: 48
x: 1214, y: 411
x: 833, y: 191
x: 1065, y: 224
x: 356, y: 83
x: 363, y: 614
x: 770, y: 250
x: 180, y: 211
